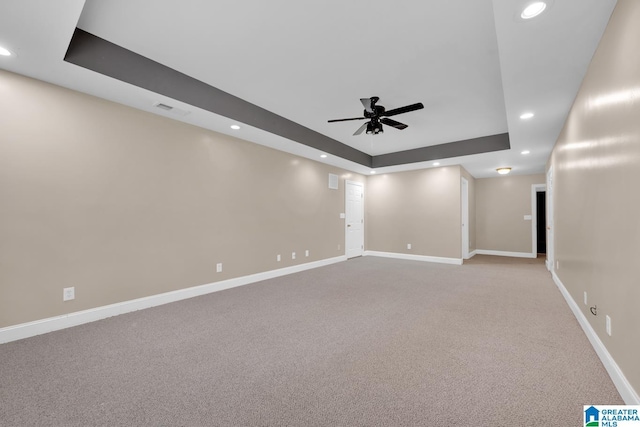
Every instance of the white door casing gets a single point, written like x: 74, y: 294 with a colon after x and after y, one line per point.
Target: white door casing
x: 550, y: 241
x: 464, y: 203
x: 535, y: 188
x: 354, y: 223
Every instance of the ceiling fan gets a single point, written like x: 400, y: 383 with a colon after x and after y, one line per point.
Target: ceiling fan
x: 378, y: 115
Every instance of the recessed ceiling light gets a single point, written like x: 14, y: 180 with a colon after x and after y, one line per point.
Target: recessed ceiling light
x: 324, y: 156
x: 503, y: 171
x: 436, y: 163
x: 533, y: 10
x: 525, y: 152
x: 526, y: 116
x: 373, y: 172
x: 235, y: 127
x: 5, y: 51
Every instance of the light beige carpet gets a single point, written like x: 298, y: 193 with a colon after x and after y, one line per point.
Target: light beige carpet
x: 368, y: 342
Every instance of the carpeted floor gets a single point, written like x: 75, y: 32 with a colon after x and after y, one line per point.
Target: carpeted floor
x: 368, y: 342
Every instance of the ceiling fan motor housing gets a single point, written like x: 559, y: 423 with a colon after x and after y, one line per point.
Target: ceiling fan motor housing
x: 377, y: 110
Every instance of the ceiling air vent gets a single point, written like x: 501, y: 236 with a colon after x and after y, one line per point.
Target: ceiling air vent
x: 170, y: 109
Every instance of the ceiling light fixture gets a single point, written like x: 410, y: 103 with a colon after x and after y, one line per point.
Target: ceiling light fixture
x: 5, y: 51
x: 235, y: 127
x: 526, y: 116
x: 533, y: 10
x: 373, y: 172
x: 525, y: 152
x: 503, y: 171
x: 436, y: 163
x: 324, y: 156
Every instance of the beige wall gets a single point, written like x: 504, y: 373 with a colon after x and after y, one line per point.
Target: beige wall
x: 123, y: 204
x: 418, y: 207
x: 596, y: 167
x: 501, y: 204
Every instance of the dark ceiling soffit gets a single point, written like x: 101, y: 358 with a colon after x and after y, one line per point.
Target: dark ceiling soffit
x: 467, y: 147
x: 89, y: 51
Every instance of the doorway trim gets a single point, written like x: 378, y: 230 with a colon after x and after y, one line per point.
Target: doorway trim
x: 535, y: 189
x: 550, y: 230
x: 464, y: 217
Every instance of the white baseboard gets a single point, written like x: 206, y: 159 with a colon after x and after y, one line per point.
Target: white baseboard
x: 29, y: 329
x: 456, y: 261
x: 473, y: 253
x: 504, y: 253
x: 629, y: 395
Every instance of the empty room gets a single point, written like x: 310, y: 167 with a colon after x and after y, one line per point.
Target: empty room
x: 319, y: 213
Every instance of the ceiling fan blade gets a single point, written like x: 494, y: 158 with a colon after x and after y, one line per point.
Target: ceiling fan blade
x: 361, y: 129
x: 366, y: 102
x: 405, y: 109
x: 393, y: 123
x: 346, y: 120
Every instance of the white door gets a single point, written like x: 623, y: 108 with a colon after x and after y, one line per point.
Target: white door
x: 550, y: 256
x: 354, y: 241
x: 464, y: 202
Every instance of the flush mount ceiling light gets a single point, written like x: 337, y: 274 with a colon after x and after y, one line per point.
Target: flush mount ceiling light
x: 5, y: 52
x: 533, y: 10
x: 324, y: 156
x: 436, y: 163
x: 525, y: 152
x: 235, y: 127
x: 526, y: 116
x: 503, y: 171
x: 373, y: 172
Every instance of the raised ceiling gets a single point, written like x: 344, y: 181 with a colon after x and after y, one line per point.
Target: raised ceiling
x: 474, y: 64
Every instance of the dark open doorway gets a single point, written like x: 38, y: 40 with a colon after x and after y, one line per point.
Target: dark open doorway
x: 541, y: 221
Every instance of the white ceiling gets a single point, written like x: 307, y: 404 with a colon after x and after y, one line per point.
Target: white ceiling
x: 474, y: 64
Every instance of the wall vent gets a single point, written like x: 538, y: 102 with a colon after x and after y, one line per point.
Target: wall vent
x: 170, y: 109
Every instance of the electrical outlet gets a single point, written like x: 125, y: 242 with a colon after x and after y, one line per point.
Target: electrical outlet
x: 608, y: 324
x: 408, y: 245
x: 68, y: 294
x: 293, y: 255
x: 306, y: 253
x: 557, y: 264
x: 278, y: 258
x: 219, y: 267
x: 585, y: 297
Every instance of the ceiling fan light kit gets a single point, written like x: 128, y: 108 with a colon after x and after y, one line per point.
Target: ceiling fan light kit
x: 378, y: 115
